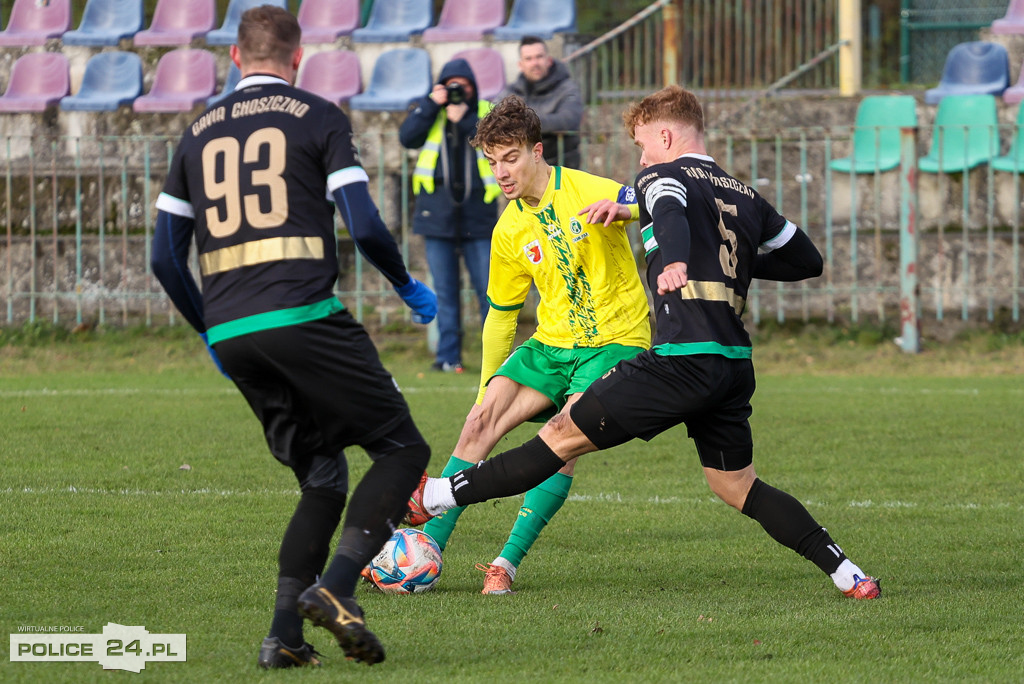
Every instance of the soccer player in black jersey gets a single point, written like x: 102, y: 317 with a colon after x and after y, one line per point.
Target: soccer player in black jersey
x: 252, y: 182
x: 702, y: 230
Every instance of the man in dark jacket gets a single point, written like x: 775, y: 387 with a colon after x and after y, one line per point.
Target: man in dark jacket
x: 547, y: 87
x: 455, y: 198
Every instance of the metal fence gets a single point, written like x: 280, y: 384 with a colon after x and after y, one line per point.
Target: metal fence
x: 721, y: 49
x: 78, y: 217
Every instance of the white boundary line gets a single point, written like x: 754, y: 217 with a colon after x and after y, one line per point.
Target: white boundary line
x: 129, y: 391
x: 614, y: 498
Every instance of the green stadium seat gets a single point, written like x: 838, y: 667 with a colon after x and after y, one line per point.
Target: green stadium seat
x: 1013, y: 161
x: 966, y: 134
x: 876, y: 134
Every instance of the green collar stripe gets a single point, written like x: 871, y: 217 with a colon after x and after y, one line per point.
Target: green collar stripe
x: 558, y: 178
x: 274, y: 319
x: 687, y: 348
x: 513, y: 307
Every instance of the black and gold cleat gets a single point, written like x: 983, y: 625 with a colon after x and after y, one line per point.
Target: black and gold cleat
x: 275, y: 655
x: 343, y: 618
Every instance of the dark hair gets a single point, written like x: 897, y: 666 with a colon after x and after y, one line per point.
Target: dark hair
x: 511, y: 122
x: 531, y: 40
x: 671, y: 103
x: 268, y: 33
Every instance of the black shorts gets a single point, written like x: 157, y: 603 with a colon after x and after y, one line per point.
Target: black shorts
x: 317, y: 388
x: 646, y: 395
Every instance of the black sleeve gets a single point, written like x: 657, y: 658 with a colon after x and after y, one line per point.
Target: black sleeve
x: 665, y: 200
x: 172, y: 237
x: 798, y: 259
x: 371, y: 236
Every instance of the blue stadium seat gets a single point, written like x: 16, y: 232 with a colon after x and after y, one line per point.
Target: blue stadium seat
x: 966, y: 134
x: 227, y: 34
x: 541, y: 18
x: 111, y: 79
x: 395, y: 21
x: 233, y: 77
x: 399, y: 77
x: 876, y: 133
x: 106, y: 22
x: 975, y: 68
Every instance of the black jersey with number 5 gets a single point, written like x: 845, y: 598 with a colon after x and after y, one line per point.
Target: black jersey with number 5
x: 251, y: 172
x: 727, y: 223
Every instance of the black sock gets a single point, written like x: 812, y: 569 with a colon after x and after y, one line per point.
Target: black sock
x: 511, y: 472
x: 302, y: 555
x: 377, y: 505
x: 787, y: 521
x: 287, y: 623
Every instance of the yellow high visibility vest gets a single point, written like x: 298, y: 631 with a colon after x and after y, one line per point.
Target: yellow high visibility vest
x: 423, y: 175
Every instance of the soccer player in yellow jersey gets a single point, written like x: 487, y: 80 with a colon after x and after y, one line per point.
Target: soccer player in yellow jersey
x: 563, y: 230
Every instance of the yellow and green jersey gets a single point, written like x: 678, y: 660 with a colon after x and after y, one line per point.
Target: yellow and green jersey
x: 590, y: 292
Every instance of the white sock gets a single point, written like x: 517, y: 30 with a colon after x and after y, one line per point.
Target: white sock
x: 437, y: 495
x: 507, y: 564
x: 844, y: 575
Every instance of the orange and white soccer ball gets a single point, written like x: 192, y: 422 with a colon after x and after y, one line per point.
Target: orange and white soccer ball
x: 409, y: 563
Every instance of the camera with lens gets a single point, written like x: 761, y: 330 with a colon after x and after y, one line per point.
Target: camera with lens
x: 456, y: 93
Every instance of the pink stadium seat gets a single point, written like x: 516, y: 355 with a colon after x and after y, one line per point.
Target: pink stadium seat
x: 466, y: 20
x: 183, y: 79
x: 332, y: 75
x: 32, y: 23
x: 322, y: 21
x: 177, y: 22
x: 38, y: 80
x: 1013, y: 22
x: 489, y: 69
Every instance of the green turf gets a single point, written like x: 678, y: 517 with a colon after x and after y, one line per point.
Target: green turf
x: 913, y: 465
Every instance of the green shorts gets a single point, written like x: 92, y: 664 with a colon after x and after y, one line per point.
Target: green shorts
x: 557, y: 373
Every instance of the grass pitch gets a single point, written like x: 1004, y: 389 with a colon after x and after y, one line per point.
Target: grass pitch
x: 913, y: 463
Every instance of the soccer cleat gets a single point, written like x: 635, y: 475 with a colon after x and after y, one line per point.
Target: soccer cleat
x: 343, y: 618
x: 864, y: 588
x: 447, y: 367
x: 275, y: 655
x: 417, y: 514
x: 496, y: 580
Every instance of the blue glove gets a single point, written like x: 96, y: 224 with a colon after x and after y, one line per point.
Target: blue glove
x: 213, y: 355
x: 420, y: 298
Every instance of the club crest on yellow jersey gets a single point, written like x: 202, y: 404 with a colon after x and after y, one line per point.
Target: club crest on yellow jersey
x: 534, y: 252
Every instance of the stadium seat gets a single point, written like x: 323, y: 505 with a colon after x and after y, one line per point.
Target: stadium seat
x: 333, y: 75
x: 1013, y: 21
x: 1015, y: 93
x: 1013, y: 160
x: 399, y: 77
x: 541, y: 18
x: 488, y: 68
x: 466, y: 20
x: 106, y: 22
x: 111, y: 79
x: 32, y: 23
x: 395, y: 21
x: 876, y: 134
x: 966, y: 134
x: 228, y: 32
x: 975, y: 68
x: 183, y: 79
x: 38, y: 80
x: 323, y: 21
x: 233, y: 77
x: 178, y: 22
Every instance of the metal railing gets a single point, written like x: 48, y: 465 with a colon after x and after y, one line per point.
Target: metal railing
x: 78, y: 217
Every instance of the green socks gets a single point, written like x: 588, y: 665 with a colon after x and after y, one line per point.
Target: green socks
x: 441, y: 527
x: 539, y: 505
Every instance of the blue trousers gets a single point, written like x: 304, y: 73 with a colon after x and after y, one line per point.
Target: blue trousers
x: 443, y: 261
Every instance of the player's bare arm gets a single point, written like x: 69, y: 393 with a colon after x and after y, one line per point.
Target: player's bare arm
x: 605, y: 211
